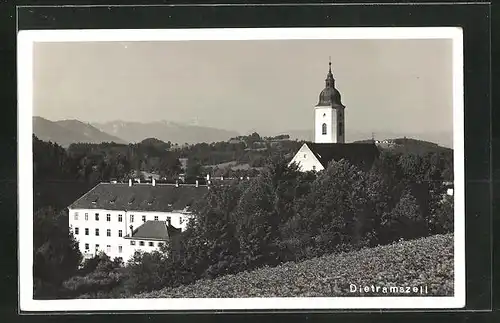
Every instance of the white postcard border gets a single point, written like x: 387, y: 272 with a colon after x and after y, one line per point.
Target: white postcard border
x: 26, y: 39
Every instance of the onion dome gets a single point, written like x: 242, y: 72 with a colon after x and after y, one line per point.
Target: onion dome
x: 330, y: 96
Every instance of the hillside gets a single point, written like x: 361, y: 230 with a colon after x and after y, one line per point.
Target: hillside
x: 165, y: 131
x: 443, y: 139
x: 66, y: 132
x: 423, y: 262
x: 409, y: 145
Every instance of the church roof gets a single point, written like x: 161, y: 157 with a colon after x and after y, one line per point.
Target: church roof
x: 140, y: 197
x: 330, y: 96
x: 358, y: 154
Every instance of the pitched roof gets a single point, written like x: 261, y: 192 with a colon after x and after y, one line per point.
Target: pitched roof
x: 157, y: 230
x: 140, y: 197
x: 359, y: 154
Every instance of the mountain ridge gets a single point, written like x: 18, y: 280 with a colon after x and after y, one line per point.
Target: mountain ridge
x: 69, y: 131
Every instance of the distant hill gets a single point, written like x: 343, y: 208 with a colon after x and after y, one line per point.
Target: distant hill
x: 408, y: 145
x: 444, y: 139
x: 66, y: 132
x: 165, y: 131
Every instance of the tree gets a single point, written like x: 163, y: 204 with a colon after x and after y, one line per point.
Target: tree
x: 405, y: 220
x: 99, y: 278
x: 56, y: 252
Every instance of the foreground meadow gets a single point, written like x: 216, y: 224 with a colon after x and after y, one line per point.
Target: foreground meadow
x: 426, y: 264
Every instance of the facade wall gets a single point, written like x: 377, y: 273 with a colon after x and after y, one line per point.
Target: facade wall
x: 91, y: 243
x: 328, y: 116
x: 133, y: 245
x: 306, y: 160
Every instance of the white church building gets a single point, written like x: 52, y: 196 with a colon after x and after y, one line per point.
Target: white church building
x: 329, y: 135
x: 121, y: 218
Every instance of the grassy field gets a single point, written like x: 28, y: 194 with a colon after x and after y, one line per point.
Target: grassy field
x: 425, y: 264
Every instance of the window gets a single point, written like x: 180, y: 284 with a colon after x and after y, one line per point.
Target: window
x: 120, y: 233
x: 86, y: 216
x: 97, y: 216
x: 156, y: 217
x: 141, y: 243
x: 97, y: 232
x: 86, y: 231
x: 108, y: 248
x: 108, y: 232
x: 77, y: 231
x: 108, y: 217
x: 120, y: 249
x: 323, y: 129
x: 96, y: 248
x: 143, y: 218
x: 131, y: 218
x: 314, y: 167
x: 160, y: 244
x: 76, y: 216
x: 120, y: 219
x: 151, y: 244
x: 87, y: 246
x: 169, y: 219
x: 340, y: 128
x: 132, y: 242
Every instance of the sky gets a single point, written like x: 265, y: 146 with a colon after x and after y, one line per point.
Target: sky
x: 402, y: 86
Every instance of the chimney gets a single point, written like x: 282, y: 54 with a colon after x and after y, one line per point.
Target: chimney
x: 130, y: 182
x: 153, y: 182
x: 176, y: 183
x: 197, y: 183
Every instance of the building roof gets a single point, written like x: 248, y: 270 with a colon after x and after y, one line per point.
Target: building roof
x: 140, y: 197
x: 358, y: 154
x: 154, y: 230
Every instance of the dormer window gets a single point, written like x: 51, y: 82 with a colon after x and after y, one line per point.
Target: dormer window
x: 131, y: 200
x: 112, y: 200
x: 94, y: 200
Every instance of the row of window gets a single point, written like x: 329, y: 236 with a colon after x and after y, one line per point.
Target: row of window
x: 150, y: 243
x: 108, y: 248
x: 120, y: 248
x: 120, y: 217
x: 108, y: 232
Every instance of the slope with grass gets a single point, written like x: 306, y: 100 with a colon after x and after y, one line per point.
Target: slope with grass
x: 426, y: 262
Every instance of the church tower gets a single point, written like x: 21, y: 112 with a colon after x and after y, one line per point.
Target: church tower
x: 329, y: 125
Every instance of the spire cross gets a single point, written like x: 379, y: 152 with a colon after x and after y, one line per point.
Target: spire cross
x: 330, y: 63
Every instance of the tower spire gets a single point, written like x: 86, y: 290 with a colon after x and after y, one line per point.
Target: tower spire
x: 329, y: 82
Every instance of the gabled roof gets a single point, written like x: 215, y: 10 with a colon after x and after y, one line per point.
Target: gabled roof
x: 154, y: 230
x: 140, y: 197
x: 358, y: 154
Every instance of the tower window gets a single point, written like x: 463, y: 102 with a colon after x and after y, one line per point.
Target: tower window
x: 323, y: 129
x: 324, y: 114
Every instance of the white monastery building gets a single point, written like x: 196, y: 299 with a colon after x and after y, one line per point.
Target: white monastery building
x: 120, y: 218
x: 329, y: 135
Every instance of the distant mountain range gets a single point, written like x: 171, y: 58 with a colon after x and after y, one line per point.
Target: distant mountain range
x: 66, y: 132
x: 165, y: 131
x: 444, y: 139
